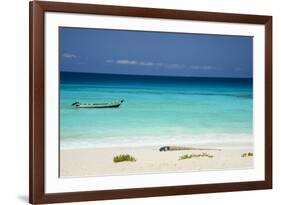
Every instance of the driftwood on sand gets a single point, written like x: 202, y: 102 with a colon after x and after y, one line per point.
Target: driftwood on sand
x: 178, y: 148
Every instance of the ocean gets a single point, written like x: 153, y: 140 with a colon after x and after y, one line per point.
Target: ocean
x: 157, y: 110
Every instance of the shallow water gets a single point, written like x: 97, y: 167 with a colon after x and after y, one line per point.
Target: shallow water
x: 156, y: 110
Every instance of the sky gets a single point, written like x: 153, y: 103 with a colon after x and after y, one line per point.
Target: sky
x: 154, y: 53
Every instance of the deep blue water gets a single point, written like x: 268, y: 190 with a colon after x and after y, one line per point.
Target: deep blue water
x: 156, y: 110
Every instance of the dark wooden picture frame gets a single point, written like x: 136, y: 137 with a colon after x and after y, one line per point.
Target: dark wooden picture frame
x: 37, y: 193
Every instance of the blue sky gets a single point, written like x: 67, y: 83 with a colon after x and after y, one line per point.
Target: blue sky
x: 155, y: 53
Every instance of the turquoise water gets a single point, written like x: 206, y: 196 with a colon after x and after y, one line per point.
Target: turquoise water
x: 156, y: 110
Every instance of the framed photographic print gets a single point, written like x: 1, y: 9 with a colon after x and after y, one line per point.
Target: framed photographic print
x: 139, y: 102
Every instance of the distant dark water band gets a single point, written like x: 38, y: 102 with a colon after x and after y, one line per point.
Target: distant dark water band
x: 95, y: 77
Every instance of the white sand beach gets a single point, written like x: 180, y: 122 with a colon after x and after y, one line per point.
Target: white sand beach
x: 99, y: 161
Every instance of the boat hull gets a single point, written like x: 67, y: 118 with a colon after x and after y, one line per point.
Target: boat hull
x: 100, y: 105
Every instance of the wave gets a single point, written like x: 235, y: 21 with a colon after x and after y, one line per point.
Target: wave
x: 218, y: 140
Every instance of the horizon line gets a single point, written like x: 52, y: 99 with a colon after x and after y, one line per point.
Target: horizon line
x: 158, y: 75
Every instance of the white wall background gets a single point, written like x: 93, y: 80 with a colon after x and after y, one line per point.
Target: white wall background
x: 14, y: 100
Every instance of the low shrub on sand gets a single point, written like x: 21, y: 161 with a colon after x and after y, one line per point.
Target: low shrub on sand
x: 123, y: 158
x: 249, y: 154
x: 189, y: 156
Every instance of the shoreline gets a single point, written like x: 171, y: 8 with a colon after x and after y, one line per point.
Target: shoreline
x: 88, y: 162
x: 246, y: 141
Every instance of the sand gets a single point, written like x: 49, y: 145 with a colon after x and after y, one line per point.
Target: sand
x: 99, y: 161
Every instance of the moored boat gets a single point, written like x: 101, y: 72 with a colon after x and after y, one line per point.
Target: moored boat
x: 114, y: 104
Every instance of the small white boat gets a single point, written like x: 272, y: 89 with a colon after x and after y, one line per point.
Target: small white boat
x: 114, y: 104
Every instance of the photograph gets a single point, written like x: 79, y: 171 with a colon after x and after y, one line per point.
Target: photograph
x: 132, y: 102
x: 144, y: 102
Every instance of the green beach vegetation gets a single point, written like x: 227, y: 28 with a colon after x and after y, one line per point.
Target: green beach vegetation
x: 249, y: 154
x: 123, y: 158
x: 190, y: 156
